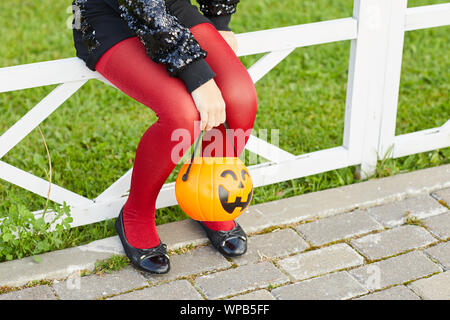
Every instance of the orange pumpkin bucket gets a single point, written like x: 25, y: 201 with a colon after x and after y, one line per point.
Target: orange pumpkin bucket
x: 214, y: 188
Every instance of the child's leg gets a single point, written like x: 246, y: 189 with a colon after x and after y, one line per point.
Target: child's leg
x: 240, y: 98
x: 127, y: 66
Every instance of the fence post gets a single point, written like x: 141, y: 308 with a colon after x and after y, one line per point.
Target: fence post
x: 374, y: 78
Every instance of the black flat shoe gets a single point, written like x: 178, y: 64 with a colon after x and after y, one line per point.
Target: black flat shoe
x: 153, y: 260
x: 230, y: 243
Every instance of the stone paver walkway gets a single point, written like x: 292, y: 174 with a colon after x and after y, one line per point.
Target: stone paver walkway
x: 389, y: 247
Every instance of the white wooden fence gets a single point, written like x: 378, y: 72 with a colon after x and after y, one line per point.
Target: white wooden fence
x: 376, y: 31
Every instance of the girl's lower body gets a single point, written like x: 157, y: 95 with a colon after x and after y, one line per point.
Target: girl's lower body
x: 127, y: 66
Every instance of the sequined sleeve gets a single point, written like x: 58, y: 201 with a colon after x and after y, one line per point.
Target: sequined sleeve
x: 87, y: 32
x: 211, y: 8
x: 165, y: 39
x: 219, y: 12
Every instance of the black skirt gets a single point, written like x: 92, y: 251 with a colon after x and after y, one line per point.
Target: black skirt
x: 109, y: 28
x: 98, y: 26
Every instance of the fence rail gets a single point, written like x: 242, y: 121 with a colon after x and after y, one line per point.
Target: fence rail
x: 376, y: 31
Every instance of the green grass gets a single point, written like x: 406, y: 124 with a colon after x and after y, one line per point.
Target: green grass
x: 93, y: 136
x: 115, y: 263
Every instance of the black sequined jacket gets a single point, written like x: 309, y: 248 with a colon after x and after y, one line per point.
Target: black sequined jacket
x: 161, y: 25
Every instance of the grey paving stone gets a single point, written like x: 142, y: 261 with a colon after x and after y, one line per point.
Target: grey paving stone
x: 394, y: 293
x: 359, y: 195
x: 240, y: 279
x: 442, y: 195
x: 334, y: 286
x: 95, y: 286
x: 396, y: 213
x: 181, y: 234
x: 175, y: 290
x: 271, y: 245
x: 391, y: 242
x: 193, y: 262
x: 321, y: 261
x: 338, y: 227
x: 255, y: 295
x: 289, y: 210
x: 58, y: 264
x: 34, y: 293
x: 252, y: 220
x: 441, y: 253
x: 439, y: 225
x: 436, y: 287
x: 395, y: 270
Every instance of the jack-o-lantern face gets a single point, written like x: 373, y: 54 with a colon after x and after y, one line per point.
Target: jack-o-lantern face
x: 236, y: 194
x: 216, y: 189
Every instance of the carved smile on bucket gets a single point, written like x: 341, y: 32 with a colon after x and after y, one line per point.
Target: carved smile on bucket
x: 242, y: 188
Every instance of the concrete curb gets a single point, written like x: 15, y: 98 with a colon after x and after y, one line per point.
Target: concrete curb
x: 63, y: 263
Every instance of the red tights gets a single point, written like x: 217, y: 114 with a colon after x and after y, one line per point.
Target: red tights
x: 127, y: 66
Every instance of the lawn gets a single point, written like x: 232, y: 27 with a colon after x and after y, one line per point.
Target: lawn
x: 93, y: 136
